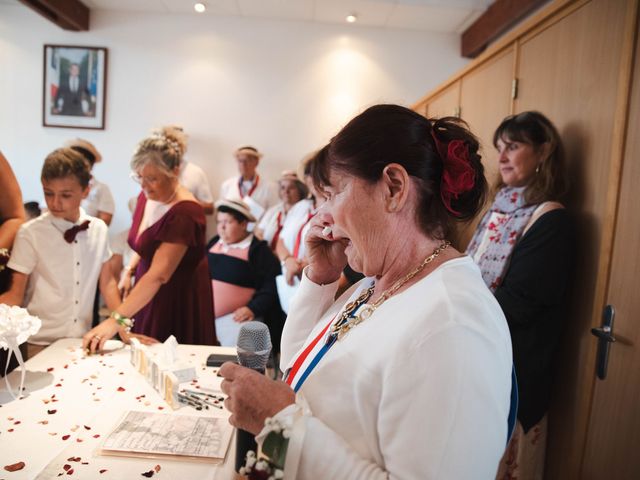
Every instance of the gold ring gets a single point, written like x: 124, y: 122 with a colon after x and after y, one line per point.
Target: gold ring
x: 97, y: 337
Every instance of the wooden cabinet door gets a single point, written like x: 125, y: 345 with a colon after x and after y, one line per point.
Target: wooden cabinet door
x: 446, y: 103
x: 569, y: 70
x: 485, y: 99
x: 613, y: 441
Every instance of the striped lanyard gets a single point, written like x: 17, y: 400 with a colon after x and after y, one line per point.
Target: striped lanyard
x: 296, y: 247
x: 274, y: 240
x: 314, y: 351
x: 254, y: 185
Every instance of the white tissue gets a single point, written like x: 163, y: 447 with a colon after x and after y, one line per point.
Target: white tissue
x: 169, y: 351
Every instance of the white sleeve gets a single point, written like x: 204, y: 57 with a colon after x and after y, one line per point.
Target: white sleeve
x: 104, y: 233
x: 119, y: 242
x: 307, y: 307
x: 105, y: 200
x: 442, y: 415
x: 24, y: 255
x: 204, y: 191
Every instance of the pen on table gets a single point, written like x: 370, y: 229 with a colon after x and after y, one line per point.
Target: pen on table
x: 189, y: 401
x: 202, y: 400
x: 210, y: 395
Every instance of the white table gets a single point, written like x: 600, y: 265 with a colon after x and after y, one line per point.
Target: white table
x: 72, y: 402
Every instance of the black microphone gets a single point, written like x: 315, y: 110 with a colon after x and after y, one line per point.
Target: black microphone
x: 254, y: 347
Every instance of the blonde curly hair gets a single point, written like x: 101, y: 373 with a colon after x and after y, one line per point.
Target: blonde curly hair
x: 164, y: 148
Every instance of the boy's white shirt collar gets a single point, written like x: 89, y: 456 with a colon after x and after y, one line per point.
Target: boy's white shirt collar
x: 62, y: 224
x: 244, y: 243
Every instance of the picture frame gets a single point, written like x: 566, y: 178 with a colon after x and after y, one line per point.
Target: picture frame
x: 74, y: 87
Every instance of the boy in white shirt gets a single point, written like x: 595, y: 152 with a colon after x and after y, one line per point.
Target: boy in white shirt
x: 58, y: 257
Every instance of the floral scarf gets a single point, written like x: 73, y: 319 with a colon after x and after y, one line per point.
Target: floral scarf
x: 498, y: 232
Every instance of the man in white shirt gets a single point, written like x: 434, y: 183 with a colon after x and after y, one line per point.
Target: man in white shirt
x: 99, y: 202
x: 249, y: 186
x: 193, y: 178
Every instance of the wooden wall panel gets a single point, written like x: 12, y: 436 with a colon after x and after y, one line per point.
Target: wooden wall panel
x: 446, y: 103
x: 613, y: 439
x: 485, y: 99
x: 583, y: 51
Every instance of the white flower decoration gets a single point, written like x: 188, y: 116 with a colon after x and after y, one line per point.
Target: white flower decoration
x: 16, y: 323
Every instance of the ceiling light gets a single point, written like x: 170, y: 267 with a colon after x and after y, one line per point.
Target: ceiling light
x: 351, y: 18
x: 199, y: 7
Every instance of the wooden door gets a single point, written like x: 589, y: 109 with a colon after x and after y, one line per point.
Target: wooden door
x: 569, y: 70
x: 485, y: 99
x: 613, y: 440
x: 446, y: 103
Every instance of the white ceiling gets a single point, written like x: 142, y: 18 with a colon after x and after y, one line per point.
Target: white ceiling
x: 451, y: 16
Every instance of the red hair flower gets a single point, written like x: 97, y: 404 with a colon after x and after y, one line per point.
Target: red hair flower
x: 458, y: 175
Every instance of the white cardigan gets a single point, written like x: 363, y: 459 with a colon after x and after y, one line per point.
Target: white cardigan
x: 420, y: 390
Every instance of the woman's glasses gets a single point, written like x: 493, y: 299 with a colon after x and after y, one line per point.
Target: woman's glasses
x: 139, y: 179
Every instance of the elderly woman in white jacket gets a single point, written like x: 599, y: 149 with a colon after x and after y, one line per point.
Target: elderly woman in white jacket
x: 408, y: 374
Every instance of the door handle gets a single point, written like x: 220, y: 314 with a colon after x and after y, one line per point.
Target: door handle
x: 605, y: 339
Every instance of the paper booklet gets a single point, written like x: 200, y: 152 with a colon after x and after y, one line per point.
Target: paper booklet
x: 148, y: 434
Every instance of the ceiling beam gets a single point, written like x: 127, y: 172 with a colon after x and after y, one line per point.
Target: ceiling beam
x: 67, y: 14
x: 496, y: 20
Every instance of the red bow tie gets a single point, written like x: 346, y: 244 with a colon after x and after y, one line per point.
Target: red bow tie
x: 70, y: 235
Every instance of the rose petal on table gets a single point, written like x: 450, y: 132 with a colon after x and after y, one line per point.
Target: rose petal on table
x: 97, y: 435
x: 58, y: 385
x: 17, y: 422
x: 79, y: 440
x: 103, y: 470
x: 43, y: 422
x: 50, y: 369
x: 66, y: 467
x: 157, y: 468
x: 51, y: 412
x: 87, y: 427
x: 74, y: 459
x: 70, y: 471
x: 120, y: 389
x: 65, y: 437
x: 14, y: 467
x: 148, y: 474
x: 10, y: 430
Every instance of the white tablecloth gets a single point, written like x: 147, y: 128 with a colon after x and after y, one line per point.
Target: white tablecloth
x: 72, y: 402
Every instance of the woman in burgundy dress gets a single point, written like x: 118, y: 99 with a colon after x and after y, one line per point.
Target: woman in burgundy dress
x: 172, y: 293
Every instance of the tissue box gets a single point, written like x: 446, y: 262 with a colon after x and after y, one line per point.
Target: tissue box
x: 163, y: 376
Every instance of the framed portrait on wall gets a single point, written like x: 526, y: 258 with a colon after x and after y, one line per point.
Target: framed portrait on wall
x: 75, y: 86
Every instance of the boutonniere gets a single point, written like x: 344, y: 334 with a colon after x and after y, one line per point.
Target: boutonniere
x: 269, y: 465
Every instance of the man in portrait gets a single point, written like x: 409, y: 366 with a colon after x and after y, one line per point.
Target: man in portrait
x: 73, y: 97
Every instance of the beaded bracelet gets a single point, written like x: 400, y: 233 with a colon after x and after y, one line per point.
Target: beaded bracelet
x: 125, y: 322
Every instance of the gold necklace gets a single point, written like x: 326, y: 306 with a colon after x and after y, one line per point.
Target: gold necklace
x: 347, y: 322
